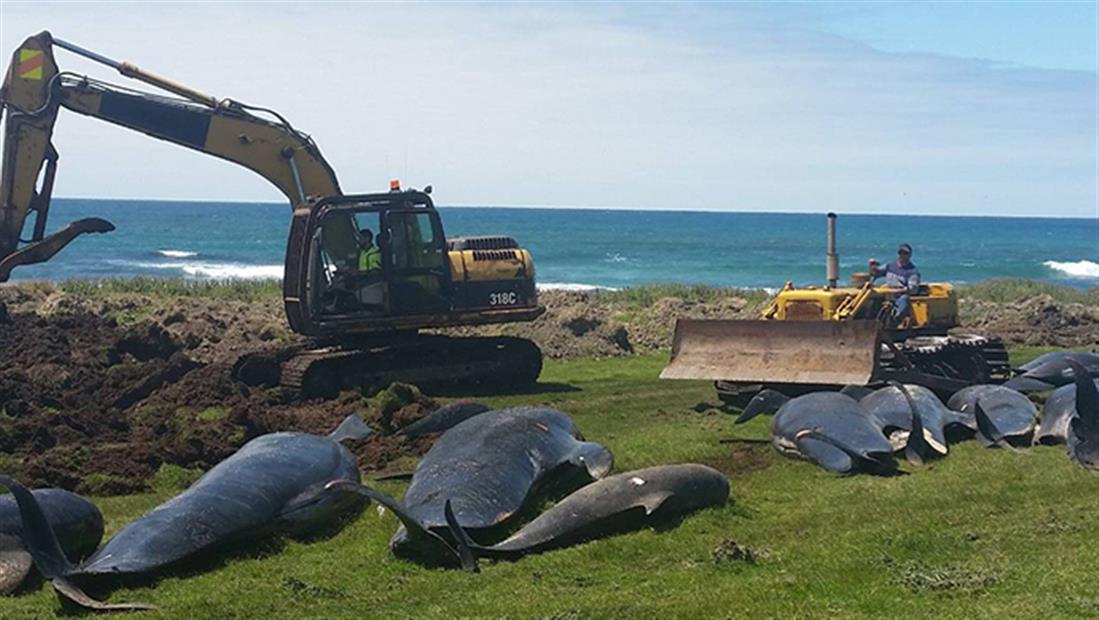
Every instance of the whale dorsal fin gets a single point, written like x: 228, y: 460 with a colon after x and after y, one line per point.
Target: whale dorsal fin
x: 352, y: 427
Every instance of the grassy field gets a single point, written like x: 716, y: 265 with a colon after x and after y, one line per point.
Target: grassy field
x: 981, y: 533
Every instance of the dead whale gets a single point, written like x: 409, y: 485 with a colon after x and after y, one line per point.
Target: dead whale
x: 1083, y: 428
x: 614, y: 504
x: 487, y: 467
x: 892, y: 411
x: 1057, y: 413
x: 76, y: 521
x: 1012, y: 414
x: 275, y: 481
x: 444, y: 418
x: 831, y: 430
x: 1052, y: 370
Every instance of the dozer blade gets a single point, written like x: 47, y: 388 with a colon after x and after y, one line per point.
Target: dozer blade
x: 753, y: 351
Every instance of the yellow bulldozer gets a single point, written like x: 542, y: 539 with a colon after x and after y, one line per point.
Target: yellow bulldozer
x: 822, y: 337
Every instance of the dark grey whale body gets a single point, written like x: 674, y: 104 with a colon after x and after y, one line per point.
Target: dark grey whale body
x: 892, y: 411
x: 832, y: 430
x: 613, y: 504
x: 1052, y: 370
x: 275, y: 481
x: 486, y: 467
x: 1011, y: 413
x: 444, y: 418
x: 1083, y: 426
x: 76, y: 521
x: 1057, y: 413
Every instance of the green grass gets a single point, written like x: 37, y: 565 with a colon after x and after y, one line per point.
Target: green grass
x: 240, y: 290
x: 981, y: 533
x: 1018, y: 289
x: 646, y: 295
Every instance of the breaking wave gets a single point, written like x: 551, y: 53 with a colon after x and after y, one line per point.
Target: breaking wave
x: 572, y: 286
x: 176, y: 253
x: 216, y: 271
x: 1078, y: 269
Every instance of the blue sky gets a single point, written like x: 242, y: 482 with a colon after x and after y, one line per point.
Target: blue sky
x: 936, y: 108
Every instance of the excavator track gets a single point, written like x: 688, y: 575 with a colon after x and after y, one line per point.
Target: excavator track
x: 428, y: 361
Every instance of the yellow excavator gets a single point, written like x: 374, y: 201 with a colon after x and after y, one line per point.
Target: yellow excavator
x: 814, y: 338
x: 363, y: 317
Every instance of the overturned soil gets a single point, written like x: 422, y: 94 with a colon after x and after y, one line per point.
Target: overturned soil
x: 92, y: 406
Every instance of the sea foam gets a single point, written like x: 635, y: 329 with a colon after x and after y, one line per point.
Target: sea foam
x: 1078, y: 269
x: 572, y: 286
x: 176, y: 253
x: 214, y: 271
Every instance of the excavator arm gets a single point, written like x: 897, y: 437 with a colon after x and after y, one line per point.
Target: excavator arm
x: 33, y: 92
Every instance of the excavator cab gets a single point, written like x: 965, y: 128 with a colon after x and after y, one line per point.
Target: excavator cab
x: 424, y: 279
x: 412, y: 275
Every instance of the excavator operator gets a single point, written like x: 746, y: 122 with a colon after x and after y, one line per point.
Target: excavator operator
x: 369, y: 287
x: 370, y: 257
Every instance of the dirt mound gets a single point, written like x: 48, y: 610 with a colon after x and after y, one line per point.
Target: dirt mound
x: 88, y: 405
x: 1038, y: 321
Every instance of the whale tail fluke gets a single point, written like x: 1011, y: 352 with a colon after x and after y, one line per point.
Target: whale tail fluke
x: 415, y: 528
x: 465, y: 545
x: 49, y: 559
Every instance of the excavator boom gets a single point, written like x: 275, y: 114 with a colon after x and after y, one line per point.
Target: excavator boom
x: 34, y: 90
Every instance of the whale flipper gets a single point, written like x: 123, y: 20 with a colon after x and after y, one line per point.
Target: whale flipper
x: 825, y: 453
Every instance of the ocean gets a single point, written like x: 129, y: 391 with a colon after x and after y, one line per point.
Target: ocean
x: 586, y: 248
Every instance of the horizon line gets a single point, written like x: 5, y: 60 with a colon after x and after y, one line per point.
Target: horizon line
x: 616, y: 208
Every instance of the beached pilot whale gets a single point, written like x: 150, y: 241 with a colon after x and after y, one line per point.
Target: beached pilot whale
x: 1012, y: 416
x: 444, y: 418
x: 1060, y: 408
x: 612, y: 505
x: 278, y: 481
x: 76, y: 521
x: 832, y: 430
x: 487, y: 467
x: 892, y: 410
x: 1052, y: 370
x: 1083, y: 430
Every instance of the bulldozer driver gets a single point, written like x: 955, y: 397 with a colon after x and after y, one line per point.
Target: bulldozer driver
x: 901, y: 274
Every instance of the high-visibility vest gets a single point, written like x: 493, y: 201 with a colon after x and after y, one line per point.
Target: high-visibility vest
x: 370, y: 259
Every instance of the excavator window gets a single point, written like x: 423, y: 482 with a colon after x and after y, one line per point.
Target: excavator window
x: 353, y: 268
x: 419, y: 280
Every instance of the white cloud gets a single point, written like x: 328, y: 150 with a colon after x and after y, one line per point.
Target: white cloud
x: 663, y: 106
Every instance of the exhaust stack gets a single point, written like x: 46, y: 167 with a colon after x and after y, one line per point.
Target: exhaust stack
x: 832, y: 264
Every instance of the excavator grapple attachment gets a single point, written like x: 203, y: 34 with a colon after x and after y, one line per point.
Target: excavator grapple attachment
x: 768, y: 352
x: 42, y: 251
